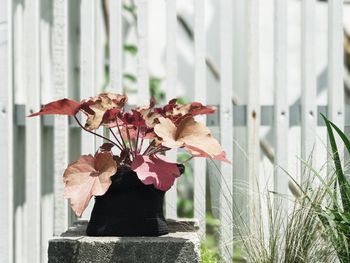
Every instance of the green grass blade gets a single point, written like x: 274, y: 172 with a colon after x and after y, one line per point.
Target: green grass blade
x: 343, y: 184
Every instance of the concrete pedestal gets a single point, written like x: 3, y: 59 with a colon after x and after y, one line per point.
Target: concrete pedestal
x: 181, y: 245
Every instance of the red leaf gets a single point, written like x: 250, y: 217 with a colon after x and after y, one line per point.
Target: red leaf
x: 156, y: 170
x: 87, y: 177
x: 63, y: 107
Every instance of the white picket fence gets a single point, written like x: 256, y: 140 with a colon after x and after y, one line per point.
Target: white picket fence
x: 41, y: 59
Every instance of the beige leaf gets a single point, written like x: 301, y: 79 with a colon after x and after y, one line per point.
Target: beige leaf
x: 87, y: 177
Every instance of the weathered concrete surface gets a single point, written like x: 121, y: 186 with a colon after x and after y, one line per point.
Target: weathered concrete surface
x: 180, y: 246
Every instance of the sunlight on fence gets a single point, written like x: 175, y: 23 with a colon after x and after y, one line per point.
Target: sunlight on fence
x: 64, y: 48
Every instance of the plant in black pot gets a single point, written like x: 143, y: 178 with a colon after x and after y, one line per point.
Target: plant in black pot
x: 129, y: 174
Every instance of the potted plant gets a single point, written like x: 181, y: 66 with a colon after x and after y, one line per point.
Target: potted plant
x: 127, y: 177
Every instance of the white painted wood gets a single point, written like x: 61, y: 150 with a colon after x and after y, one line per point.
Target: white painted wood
x: 281, y: 113
x: 6, y: 132
x: 226, y: 129
x: 33, y: 132
x: 308, y: 83
x: 87, y: 72
x: 47, y: 159
x: 100, y: 41
x: 61, y: 135
x: 19, y: 87
x: 171, y: 92
x: 200, y: 95
x: 335, y: 66
x: 19, y: 138
x: 142, y: 54
x: 46, y: 13
x: 116, y: 46
x: 253, y: 107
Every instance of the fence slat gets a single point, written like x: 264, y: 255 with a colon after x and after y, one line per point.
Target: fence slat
x: 116, y: 46
x: 6, y: 131
x: 87, y: 75
x: 335, y: 65
x: 171, y: 83
x: 33, y: 132
x: 226, y: 129
x: 308, y: 83
x: 200, y: 94
x: 142, y: 54
x: 281, y: 120
x: 253, y: 107
x: 60, y: 85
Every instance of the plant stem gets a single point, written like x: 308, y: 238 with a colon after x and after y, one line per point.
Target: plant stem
x: 129, y: 139
x: 120, y: 134
x: 159, y: 148
x: 137, y: 141
x: 115, y: 137
x: 188, y: 159
x: 149, y: 146
x: 98, y: 135
x: 141, y: 144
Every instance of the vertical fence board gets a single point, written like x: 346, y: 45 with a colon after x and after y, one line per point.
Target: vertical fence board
x: 142, y: 54
x: 200, y: 94
x: 171, y: 83
x: 99, y: 62
x: 116, y: 46
x: 19, y: 138
x: 33, y: 131
x: 281, y: 120
x: 308, y: 83
x: 47, y: 160
x: 253, y: 107
x: 87, y: 75
x: 6, y: 131
x: 60, y: 85
x: 335, y: 65
x: 226, y: 129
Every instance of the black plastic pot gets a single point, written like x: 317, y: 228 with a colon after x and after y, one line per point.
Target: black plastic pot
x: 128, y: 208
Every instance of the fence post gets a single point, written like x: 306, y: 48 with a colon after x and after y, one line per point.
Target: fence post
x: 336, y: 67
x: 33, y: 132
x: 6, y: 131
x: 60, y: 86
x: 116, y: 46
x: 171, y: 92
x: 281, y: 110
x: 226, y: 130
x: 253, y: 107
x: 87, y: 73
x: 142, y: 54
x: 308, y: 82
x: 200, y: 94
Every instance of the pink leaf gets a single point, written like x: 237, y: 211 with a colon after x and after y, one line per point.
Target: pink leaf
x: 63, y: 107
x: 87, y: 177
x: 156, y: 170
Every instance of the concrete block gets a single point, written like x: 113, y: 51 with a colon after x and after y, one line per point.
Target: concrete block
x: 181, y: 245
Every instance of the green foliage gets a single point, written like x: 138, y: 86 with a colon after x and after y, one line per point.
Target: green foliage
x: 208, y: 255
x: 132, y: 49
x: 155, y: 89
x: 130, y: 77
x: 286, y: 235
x: 335, y: 216
x: 131, y: 9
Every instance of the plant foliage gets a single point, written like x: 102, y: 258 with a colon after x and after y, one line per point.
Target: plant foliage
x: 165, y: 128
